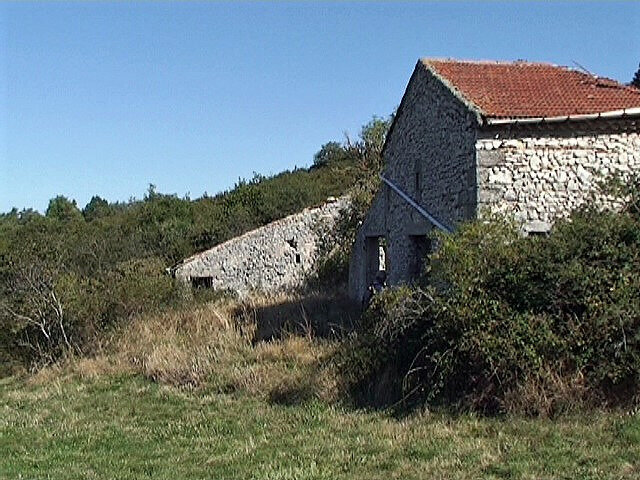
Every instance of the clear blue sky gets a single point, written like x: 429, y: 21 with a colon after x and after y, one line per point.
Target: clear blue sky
x: 105, y: 98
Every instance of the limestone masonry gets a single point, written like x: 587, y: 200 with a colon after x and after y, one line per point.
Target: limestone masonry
x: 539, y: 178
x: 274, y: 257
x: 528, y: 140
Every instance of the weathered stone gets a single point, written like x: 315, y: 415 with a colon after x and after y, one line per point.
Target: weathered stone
x: 491, y: 159
x: 583, y: 174
x: 466, y: 169
x: 501, y: 177
x: 275, y: 257
x: 535, y: 163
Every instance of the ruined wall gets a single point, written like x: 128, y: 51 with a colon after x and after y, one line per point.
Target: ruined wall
x: 275, y: 257
x: 430, y: 155
x: 538, y: 176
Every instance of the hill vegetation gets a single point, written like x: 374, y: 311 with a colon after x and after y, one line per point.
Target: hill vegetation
x: 186, y: 394
x: 71, y: 274
x: 132, y: 375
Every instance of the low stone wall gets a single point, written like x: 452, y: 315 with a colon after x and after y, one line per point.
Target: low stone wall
x: 540, y: 178
x: 274, y: 257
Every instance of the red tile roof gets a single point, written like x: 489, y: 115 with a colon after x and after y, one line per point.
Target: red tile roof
x: 525, y: 90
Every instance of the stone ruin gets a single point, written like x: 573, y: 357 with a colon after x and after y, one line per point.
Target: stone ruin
x: 276, y: 257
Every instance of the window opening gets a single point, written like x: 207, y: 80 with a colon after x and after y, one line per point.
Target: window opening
x: 377, y: 258
x: 420, y: 247
x: 202, y: 282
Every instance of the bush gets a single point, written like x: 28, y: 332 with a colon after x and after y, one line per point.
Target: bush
x: 504, y: 322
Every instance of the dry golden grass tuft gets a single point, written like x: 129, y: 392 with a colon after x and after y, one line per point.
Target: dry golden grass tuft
x: 215, y: 346
x: 549, y: 394
x: 179, y: 347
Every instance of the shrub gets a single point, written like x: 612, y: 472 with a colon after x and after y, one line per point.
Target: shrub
x: 141, y: 285
x: 70, y: 274
x: 504, y: 322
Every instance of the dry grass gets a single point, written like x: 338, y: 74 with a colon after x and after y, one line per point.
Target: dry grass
x: 214, y: 408
x: 180, y: 347
x: 550, y: 393
x: 312, y: 314
x: 214, y: 346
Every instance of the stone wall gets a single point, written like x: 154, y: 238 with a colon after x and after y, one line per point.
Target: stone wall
x: 538, y: 176
x: 275, y: 257
x: 430, y: 155
x: 438, y: 153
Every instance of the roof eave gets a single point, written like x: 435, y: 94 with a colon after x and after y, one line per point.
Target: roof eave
x: 610, y: 115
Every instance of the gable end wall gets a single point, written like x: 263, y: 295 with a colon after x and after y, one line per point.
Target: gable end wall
x: 432, y: 143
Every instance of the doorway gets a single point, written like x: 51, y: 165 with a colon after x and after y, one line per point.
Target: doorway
x: 377, y: 258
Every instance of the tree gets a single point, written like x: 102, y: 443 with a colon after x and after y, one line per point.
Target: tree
x: 636, y: 78
x: 368, y: 148
x: 31, y: 306
x: 96, y: 208
x: 63, y: 209
x: 329, y: 152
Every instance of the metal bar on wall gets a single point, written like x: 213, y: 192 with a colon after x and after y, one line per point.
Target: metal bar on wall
x: 420, y: 210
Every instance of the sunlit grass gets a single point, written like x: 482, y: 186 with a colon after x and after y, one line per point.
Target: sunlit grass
x: 125, y: 426
x: 188, y: 395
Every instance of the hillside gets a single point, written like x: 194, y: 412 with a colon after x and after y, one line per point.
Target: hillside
x: 188, y: 395
x: 71, y: 274
x: 503, y: 361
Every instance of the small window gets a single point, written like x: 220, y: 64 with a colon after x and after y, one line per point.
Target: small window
x: 376, y: 257
x: 298, y: 259
x: 202, y: 282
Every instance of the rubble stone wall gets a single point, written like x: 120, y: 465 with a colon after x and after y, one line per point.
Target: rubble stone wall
x: 275, y: 257
x: 540, y: 177
x: 429, y: 155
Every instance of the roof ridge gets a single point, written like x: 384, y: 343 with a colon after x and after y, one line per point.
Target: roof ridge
x: 490, y: 62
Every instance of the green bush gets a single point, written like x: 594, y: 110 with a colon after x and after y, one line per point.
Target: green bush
x: 142, y: 285
x: 505, y: 322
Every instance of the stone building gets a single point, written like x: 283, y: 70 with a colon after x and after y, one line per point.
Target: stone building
x: 275, y: 257
x: 527, y: 139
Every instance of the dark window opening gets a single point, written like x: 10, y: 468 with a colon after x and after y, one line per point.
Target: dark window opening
x: 202, y: 282
x: 298, y: 259
x: 420, y: 247
x: 418, y: 184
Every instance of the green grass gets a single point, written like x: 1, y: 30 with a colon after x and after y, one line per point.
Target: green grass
x: 126, y: 427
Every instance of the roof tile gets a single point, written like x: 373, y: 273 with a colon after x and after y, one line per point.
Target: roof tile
x: 526, y: 90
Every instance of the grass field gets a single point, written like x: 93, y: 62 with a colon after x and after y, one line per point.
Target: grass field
x: 187, y: 395
x: 127, y: 427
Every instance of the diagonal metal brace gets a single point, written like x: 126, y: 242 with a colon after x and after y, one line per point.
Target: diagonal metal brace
x: 420, y: 210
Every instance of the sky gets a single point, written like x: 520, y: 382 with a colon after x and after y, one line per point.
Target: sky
x: 104, y: 99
